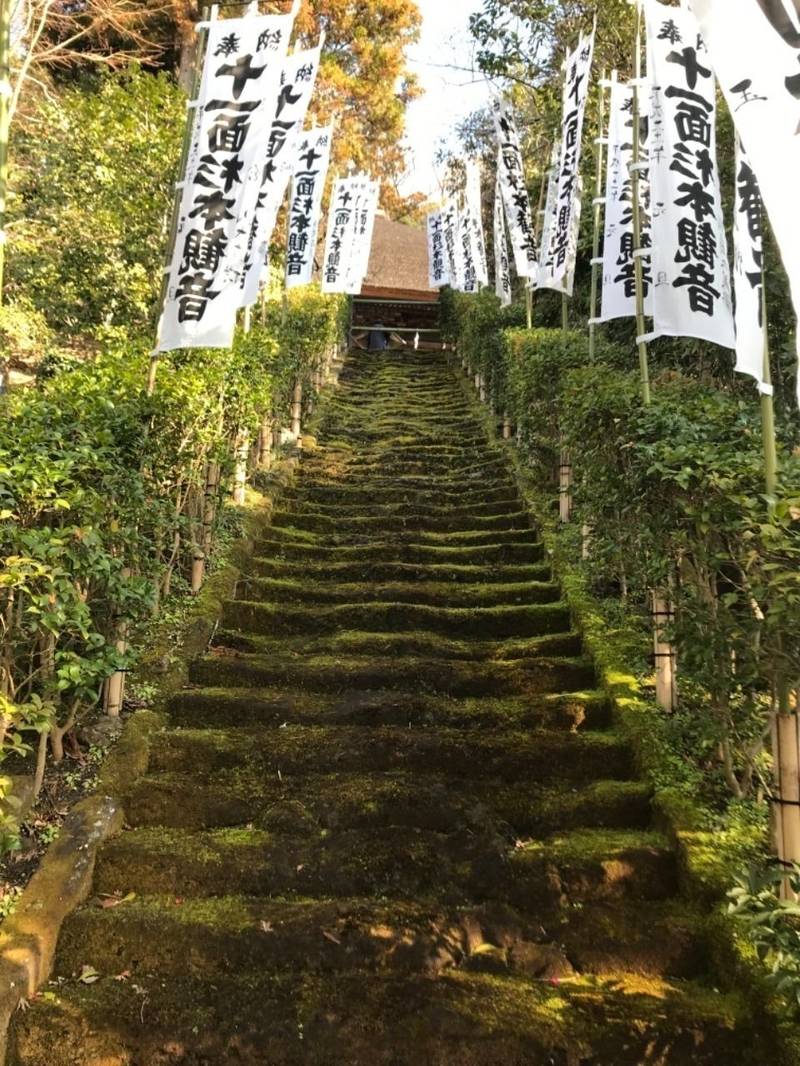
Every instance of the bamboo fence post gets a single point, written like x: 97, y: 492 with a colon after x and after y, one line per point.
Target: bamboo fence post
x: 265, y: 443
x: 114, y: 688
x: 665, y: 658
x: 297, y: 410
x: 507, y: 427
x: 241, y: 454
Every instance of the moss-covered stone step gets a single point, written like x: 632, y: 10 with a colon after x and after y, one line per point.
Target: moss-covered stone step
x: 545, y: 756
x: 416, y: 645
x: 361, y: 570
x: 281, y: 546
x: 461, y: 1018
x: 398, y: 861
x: 426, y: 538
x: 433, y: 593
x: 348, y: 495
x: 382, y: 522
x: 306, y: 804
x: 235, y: 707
x: 596, y: 864
x: 404, y: 508
x: 430, y: 469
x: 489, y: 622
x: 338, y: 673
x: 177, y: 936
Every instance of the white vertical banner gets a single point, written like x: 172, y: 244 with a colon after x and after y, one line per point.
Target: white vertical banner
x: 754, y: 47
x: 438, y: 265
x: 619, y: 265
x: 502, y: 265
x: 339, y: 239
x: 748, y: 265
x: 692, y: 294
x: 312, y: 159
x: 363, y: 229
x: 297, y: 82
x: 548, y: 219
x: 475, y: 213
x: 559, y: 259
x: 240, y: 79
x: 511, y: 171
x: 452, y: 244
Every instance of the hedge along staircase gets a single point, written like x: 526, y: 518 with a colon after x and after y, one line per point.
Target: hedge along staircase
x: 390, y: 821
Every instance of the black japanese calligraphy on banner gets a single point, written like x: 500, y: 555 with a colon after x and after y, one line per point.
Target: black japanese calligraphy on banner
x: 363, y: 227
x: 438, y: 264
x: 451, y: 228
x: 473, y: 211
x: 511, y: 171
x: 241, y: 71
x: 559, y: 258
x: 502, y: 264
x: 297, y: 82
x: 748, y: 269
x: 692, y: 294
x: 619, y: 265
x: 548, y: 219
x: 312, y: 160
x: 348, y: 230
x: 754, y: 48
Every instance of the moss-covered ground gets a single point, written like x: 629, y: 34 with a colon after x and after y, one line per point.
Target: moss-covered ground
x: 389, y: 818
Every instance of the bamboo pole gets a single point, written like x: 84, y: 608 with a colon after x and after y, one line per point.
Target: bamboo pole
x: 114, y: 689
x: 5, y: 100
x: 644, y: 366
x: 241, y: 450
x: 202, y: 40
x: 599, y: 185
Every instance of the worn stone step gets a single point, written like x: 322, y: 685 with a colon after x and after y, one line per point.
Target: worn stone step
x: 459, y: 622
x: 376, y: 572
x: 226, y: 668
x: 545, y: 756
x: 176, y: 936
x: 416, y: 523
x: 235, y: 707
x: 403, y: 508
x: 279, y: 545
x: 394, y: 861
x: 305, y: 489
x: 462, y: 1017
x: 416, y: 645
x: 433, y: 594
x: 307, y: 804
x: 448, y: 540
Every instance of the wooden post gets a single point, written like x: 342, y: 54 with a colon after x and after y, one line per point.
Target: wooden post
x: 507, y: 429
x: 297, y: 410
x: 564, y: 485
x: 241, y: 456
x: 114, y: 688
x: 665, y: 657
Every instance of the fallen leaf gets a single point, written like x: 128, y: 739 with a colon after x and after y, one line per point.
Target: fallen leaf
x: 332, y: 937
x: 122, y: 976
x: 88, y: 975
x: 266, y: 927
x: 114, y: 901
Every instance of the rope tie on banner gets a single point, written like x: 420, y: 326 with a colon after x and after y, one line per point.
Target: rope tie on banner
x: 607, y: 83
x: 647, y: 338
x: 765, y: 389
x: 596, y: 261
x: 192, y: 105
x: 637, y: 168
x: 179, y: 185
x: 596, y: 321
x: 642, y: 253
x: 639, y: 83
x: 601, y: 140
x: 599, y: 201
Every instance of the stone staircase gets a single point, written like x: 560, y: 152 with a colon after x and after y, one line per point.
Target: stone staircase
x: 390, y: 821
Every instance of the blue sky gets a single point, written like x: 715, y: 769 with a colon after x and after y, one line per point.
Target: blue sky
x: 449, y: 94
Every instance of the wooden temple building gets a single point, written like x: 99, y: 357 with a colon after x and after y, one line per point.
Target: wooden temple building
x: 396, y: 294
